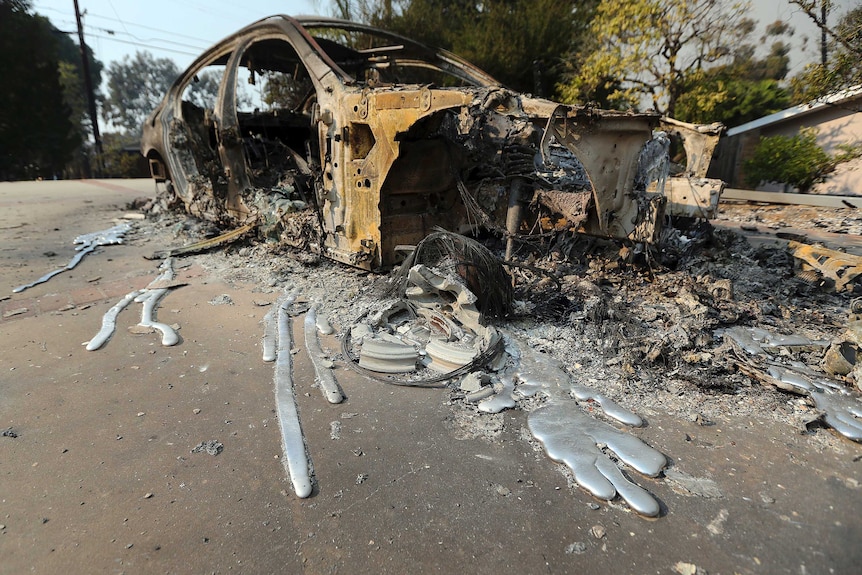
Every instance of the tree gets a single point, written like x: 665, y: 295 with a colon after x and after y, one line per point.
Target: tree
x: 843, y: 66
x: 717, y: 97
x: 203, y: 91
x: 523, y: 43
x: 121, y: 158
x: 743, y: 90
x: 36, y: 135
x: 849, y: 31
x: 282, y: 90
x: 135, y: 87
x: 653, y: 47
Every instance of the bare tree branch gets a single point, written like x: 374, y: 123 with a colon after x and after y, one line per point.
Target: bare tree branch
x: 808, y: 7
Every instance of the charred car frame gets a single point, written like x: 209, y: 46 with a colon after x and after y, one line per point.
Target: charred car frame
x: 375, y: 140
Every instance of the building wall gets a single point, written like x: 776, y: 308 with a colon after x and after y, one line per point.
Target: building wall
x: 846, y: 180
x: 836, y: 125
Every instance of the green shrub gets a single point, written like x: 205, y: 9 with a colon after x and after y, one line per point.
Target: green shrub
x: 797, y: 160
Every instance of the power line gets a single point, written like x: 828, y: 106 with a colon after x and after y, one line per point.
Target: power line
x: 150, y: 46
x: 123, y: 24
x: 112, y: 35
x: 145, y: 27
x: 139, y: 39
x: 108, y: 18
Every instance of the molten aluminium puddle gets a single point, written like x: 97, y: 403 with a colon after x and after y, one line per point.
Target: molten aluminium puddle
x: 840, y: 406
x: 572, y: 437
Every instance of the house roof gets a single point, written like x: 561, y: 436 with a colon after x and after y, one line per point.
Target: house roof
x: 797, y: 111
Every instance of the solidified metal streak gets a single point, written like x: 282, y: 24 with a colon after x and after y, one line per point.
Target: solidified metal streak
x: 540, y: 372
x: 325, y: 379
x: 89, y: 243
x: 150, y: 298
x: 109, y: 321
x: 296, y: 459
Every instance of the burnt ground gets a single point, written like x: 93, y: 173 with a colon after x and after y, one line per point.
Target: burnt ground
x: 97, y: 472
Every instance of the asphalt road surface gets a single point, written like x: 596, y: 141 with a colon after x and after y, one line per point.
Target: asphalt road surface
x: 97, y: 473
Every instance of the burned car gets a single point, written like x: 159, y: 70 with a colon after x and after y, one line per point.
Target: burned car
x: 355, y: 142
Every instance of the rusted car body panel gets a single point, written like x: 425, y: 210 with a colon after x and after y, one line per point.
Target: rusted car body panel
x: 391, y: 140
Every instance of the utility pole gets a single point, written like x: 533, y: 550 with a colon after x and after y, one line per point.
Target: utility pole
x: 91, y: 96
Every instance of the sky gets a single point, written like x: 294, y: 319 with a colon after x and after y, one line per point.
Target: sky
x: 176, y: 29
x: 182, y: 29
